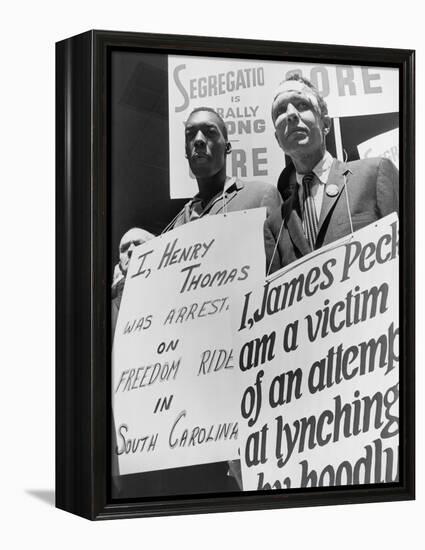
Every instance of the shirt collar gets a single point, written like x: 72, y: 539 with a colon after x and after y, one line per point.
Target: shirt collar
x: 321, y: 170
x: 227, y: 185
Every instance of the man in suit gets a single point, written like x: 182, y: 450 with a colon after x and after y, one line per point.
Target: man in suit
x: 207, y: 147
x: 325, y: 199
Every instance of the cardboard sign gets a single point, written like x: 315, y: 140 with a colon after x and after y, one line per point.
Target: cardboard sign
x: 318, y: 349
x: 175, y: 386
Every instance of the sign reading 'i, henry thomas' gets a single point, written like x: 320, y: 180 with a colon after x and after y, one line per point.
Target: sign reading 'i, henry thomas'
x: 176, y: 388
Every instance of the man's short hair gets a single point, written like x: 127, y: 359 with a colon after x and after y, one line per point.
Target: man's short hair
x: 321, y: 102
x: 220, y: 119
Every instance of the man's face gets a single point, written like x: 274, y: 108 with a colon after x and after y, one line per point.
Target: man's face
x: 128, y: 243
x: 299, y: 126
x: 206, y: 147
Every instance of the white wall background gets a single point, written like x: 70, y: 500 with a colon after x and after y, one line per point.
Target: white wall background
x: 28, y: 33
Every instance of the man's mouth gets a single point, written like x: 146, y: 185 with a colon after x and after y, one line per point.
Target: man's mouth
x: 300, y: 131
x: 199, y: 157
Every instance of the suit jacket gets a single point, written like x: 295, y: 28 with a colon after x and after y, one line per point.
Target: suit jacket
x: 372, y: 186
x: 237, y: 196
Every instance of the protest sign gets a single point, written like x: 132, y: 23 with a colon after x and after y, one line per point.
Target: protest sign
x: 317, y: 346
x: 241, y: 91
x: 383, y: 145
x: 175, y: 388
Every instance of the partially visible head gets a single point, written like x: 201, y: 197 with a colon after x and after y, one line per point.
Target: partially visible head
x: 132, y: 238
x: 300, y: 117
x: 206, y: 142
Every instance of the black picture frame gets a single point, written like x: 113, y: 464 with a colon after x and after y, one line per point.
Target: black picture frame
x: 82, y: 267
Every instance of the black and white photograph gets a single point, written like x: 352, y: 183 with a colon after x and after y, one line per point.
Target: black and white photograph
x: 212, y: 314
x: 254, y: 274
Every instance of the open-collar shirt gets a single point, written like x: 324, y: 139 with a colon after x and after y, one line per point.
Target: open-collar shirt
x: 195, y: 208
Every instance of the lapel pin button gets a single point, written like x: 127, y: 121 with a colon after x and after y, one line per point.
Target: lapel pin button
x: 332, y: 190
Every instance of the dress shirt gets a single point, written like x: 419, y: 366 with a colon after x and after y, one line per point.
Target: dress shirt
x: 321, y: 175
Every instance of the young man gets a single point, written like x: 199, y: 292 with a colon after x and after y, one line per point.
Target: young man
x: 207, y: 147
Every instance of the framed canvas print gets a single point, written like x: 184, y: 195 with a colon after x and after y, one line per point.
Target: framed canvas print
x: 235, y: 274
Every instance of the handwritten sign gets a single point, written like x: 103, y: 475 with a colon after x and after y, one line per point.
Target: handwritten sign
x: 318, y: 348
x: 175, y: 383
x: 241, y: 91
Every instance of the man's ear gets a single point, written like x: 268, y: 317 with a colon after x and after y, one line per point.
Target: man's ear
x: 326, y: 121
x: 228, y: 148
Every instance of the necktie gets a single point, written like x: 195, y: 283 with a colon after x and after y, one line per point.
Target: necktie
x: 310, y: 222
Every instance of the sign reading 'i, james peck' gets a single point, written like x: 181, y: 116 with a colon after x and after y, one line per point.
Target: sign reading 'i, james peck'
x: 175, y: 386
x: 318, y: 349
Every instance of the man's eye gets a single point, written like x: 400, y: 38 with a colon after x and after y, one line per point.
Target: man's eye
x: 281, y: 110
